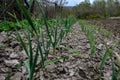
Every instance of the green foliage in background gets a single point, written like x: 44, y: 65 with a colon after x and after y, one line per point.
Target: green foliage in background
x: 97, y: 9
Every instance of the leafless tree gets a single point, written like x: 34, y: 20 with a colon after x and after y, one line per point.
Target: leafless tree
x: 10, y: 6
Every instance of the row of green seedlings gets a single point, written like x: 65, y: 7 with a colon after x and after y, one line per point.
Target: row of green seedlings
x: 54, y: 34
x: 89, y: 31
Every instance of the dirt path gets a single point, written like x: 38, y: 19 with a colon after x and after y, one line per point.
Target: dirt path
x: 78, y: 65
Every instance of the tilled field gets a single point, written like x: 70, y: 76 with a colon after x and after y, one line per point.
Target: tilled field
x: 111, y: 24
x: 77, y: 64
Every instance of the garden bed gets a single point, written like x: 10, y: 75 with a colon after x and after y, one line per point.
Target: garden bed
x: 74, y: 61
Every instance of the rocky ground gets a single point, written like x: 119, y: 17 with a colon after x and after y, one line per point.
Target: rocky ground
x: 77, y: 65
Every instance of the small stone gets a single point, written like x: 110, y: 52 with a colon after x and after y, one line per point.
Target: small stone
x: 4, y: 69
x: 67, y: 64
x: 50, y: 67
x: 100, y: 46
x: 24, y: 69
x: 87, y: 46
x: 72, y: 72
x: 11, y: 63
x: 13, y: 55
